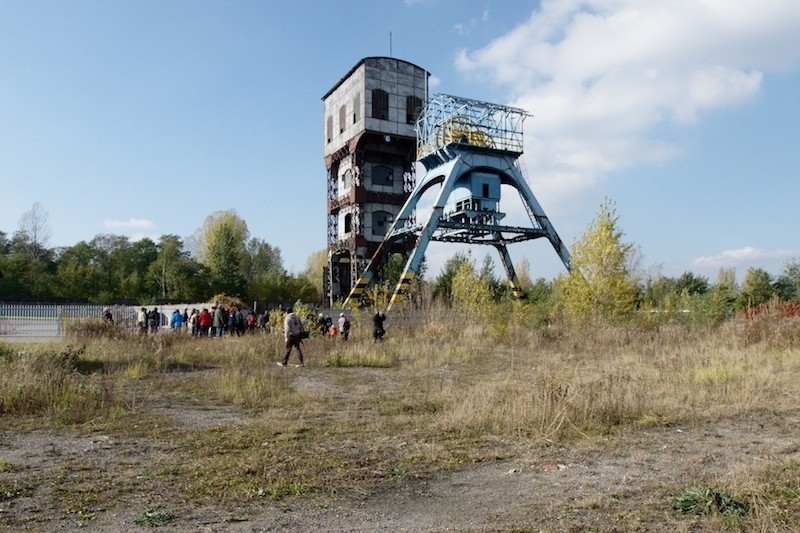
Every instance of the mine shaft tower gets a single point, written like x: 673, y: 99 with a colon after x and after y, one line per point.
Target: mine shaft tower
x: 469, y: 150
x: 370, y: 153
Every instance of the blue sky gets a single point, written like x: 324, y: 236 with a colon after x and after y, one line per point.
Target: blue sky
x: 142, y: 118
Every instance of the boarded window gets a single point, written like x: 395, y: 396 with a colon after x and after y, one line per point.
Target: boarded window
x: 381, y: 222
x: 382, y: 175
x: 342, y: 119
x: 329, y: 129
x: 413, y: 109
x: 380, y: 104
x: 347, y: 179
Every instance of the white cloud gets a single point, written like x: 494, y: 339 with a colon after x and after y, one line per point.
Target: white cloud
x: 465, y: 28
x: 601, y: 76
x: 130, y: 224
x: 744, y: 256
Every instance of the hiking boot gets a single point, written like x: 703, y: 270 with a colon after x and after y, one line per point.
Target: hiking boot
x: 280, y: 363
x: 298, y: 366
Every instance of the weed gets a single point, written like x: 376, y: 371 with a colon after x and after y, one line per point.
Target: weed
x: 154, y: 519
x: 10, y: 492
x: 283, y: 488
x: 705, y: 501
x: 398, y: 472
x: 6, y: 466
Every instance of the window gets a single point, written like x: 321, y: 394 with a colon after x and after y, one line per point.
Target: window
x: 348, y: 223
x: 347, y: 179
x: 413, y: 109
x: 329, y: 129
x: 381, y: 222
x: 486, y: 190
x: 356, y: 108
x: 382, y: 175
x: 342, y: 118
x: 380, y: 104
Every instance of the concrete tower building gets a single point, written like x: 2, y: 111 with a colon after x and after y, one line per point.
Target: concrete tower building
x: 370, y: 153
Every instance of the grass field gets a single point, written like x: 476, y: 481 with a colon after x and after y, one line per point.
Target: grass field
x: 436, y: 396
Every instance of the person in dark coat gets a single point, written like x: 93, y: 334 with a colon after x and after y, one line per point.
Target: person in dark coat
x: 377, y: 326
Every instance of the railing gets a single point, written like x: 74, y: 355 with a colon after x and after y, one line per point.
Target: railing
x: 49, y: 321
x: 41, y: 320
x: 447, y: 119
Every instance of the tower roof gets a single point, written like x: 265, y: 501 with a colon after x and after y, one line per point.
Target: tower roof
x: 370, y: 59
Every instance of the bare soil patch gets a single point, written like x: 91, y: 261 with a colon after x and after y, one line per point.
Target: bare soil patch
x: 620, y: 482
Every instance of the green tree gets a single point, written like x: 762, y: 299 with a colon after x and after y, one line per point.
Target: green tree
x: 472, y: 292
x: 222, y: 249
x: 787, y: 286
x: 172, y: 269
x: 315, y: 267
x: 261, y: 260
x: 756, y: 288
x: 601, y: 283
x: 444, y: 283
x: 77, y: 276
x: 488, y: 277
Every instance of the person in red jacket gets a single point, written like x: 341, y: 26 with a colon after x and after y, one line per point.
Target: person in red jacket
x: 204, y: 320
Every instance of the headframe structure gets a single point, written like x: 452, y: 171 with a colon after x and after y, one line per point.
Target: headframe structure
x: 469, y: 148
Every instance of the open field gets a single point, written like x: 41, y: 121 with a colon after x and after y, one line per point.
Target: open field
x: 441, y: 427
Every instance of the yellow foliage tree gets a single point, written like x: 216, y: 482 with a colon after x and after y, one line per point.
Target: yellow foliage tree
x: 602, y: 283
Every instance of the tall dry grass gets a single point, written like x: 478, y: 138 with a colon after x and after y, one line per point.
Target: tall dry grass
x: 443, y: 389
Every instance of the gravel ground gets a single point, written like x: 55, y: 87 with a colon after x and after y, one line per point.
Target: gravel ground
x: 620, y: 483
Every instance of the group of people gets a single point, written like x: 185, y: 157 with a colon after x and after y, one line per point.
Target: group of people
x: 148, y: 321
x: 293, y: 332
x: 203, y: 323
x: 326, y: 326
x: 232, y: 321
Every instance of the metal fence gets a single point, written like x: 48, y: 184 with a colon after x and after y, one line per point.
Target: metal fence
x: 49, y: 320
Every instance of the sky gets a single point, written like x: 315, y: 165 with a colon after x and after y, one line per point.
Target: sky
x: 142, y: 118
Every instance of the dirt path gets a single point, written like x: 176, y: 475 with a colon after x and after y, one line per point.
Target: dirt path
x: 620, y: 483
x: 623, y: 480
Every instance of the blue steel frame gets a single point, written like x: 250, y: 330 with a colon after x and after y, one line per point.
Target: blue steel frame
x: 456, y: 137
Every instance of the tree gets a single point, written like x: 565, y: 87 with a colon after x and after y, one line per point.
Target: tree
x: 34, y: 232
x: 261, y: 259
x: 726, y: 277
x: 444, y: 283
x: 787, y: 285
x: 315, y: 267
x: 488, y: 277
x: 523, y: 271
x: 222, y: 249
x: 472, y: 292
x: 169, y: 269
x: 757, y: 287
x: 77, y: 272
x: 601, y: 283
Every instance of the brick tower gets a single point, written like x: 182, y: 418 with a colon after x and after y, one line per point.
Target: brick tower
x: 370, y: 152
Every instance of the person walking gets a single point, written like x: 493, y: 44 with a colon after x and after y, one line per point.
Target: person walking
x: 292, y: 328
x: 344, y: 326
x: 141, y: 321
x: 377, y: 326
